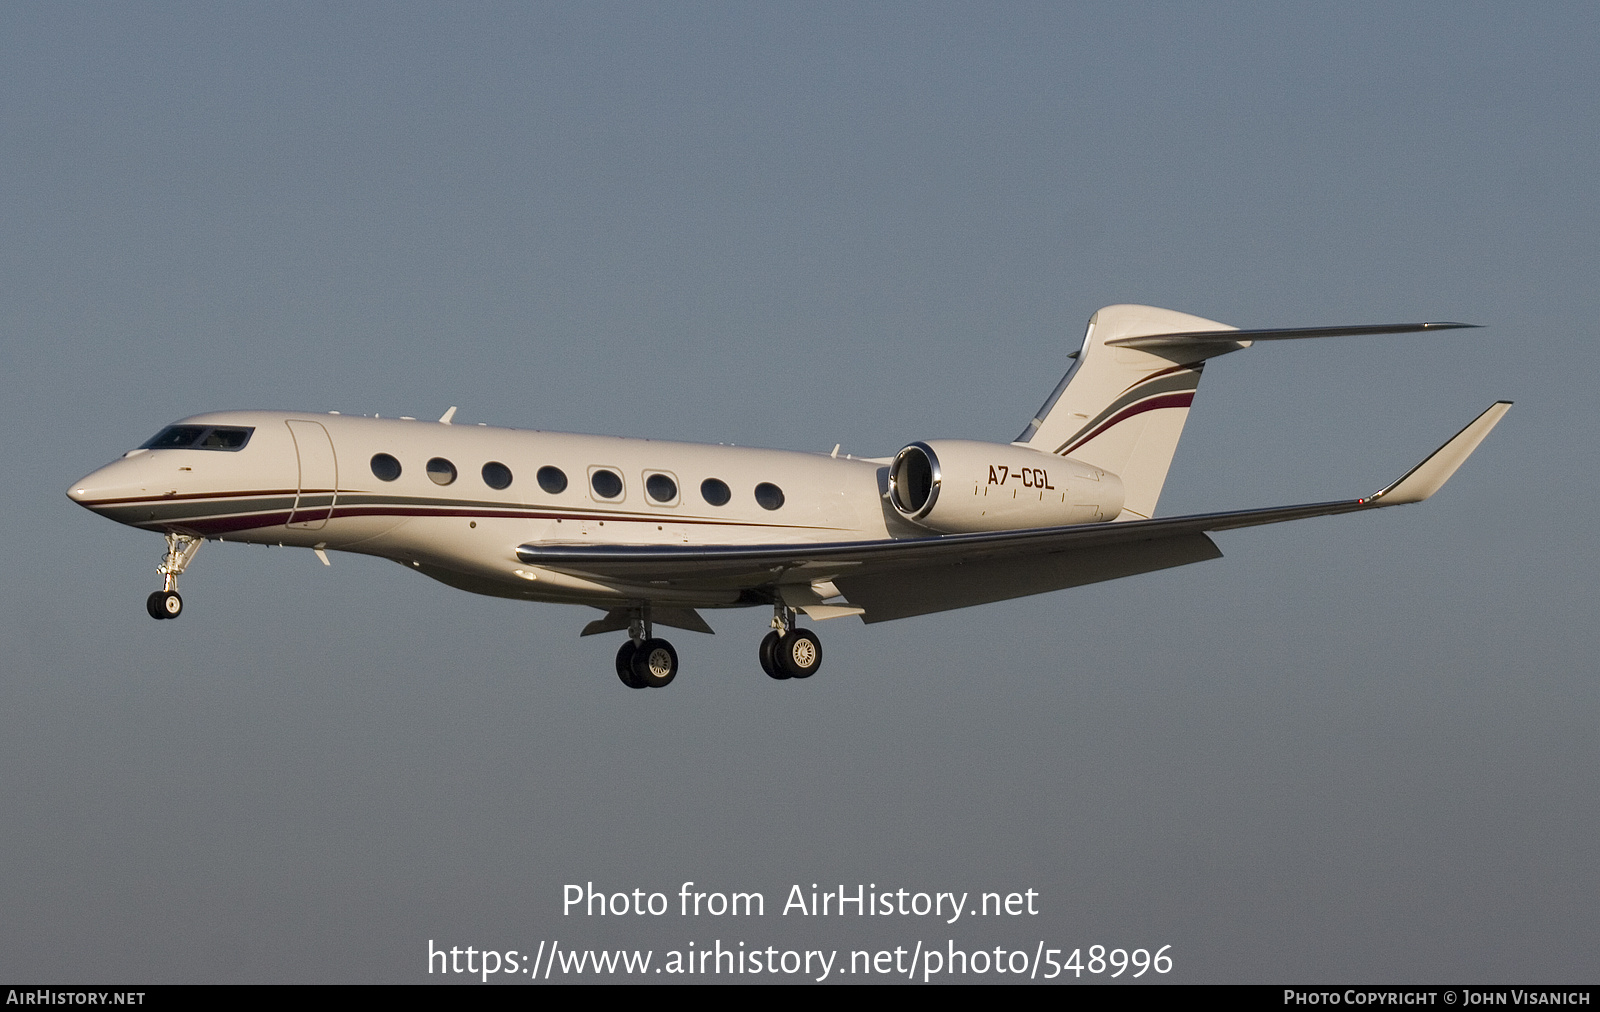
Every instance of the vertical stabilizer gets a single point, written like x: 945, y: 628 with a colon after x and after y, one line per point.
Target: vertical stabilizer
x: 1123, y: 408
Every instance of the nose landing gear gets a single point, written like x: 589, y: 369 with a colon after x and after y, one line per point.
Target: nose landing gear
x: 165, y: 603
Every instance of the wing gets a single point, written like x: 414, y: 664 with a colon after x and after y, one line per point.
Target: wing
x: 899, y: 577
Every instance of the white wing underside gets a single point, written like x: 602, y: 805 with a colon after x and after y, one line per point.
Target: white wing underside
x: 899, y: 578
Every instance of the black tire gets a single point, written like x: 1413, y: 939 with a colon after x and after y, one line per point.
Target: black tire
x: 164, y: 604
x: 625, y: 664
x: 799, y: 653
x: 655, y: 663
x: 769, y: 663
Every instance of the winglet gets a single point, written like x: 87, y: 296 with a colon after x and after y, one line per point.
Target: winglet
x: 1429, y: 476
x: 448, y: 415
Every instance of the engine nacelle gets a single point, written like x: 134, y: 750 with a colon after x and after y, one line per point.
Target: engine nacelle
x: 956, y: 486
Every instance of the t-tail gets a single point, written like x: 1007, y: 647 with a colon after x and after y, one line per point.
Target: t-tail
x: 1123, y: 404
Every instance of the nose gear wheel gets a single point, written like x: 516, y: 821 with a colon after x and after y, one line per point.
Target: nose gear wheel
x: 164, y: 604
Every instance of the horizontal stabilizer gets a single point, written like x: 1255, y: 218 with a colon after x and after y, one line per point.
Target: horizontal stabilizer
x: 1232, y: 337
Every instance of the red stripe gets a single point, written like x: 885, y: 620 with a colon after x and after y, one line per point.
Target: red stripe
x: 257, y: 521
x: 91, y: 503
x: 1197, y: 366
x: 510, y: 511
x: 1177, y: 399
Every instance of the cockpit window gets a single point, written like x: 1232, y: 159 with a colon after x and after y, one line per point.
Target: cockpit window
x: 175, y: 437
x: 200, y: 437
x: 224, y: 439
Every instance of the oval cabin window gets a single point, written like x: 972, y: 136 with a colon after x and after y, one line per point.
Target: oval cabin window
x: 606, y: 484
x: 661, y: 487
x: 715, y: 491
x: 496, y: 475
x: 441, y: 471
x: 769, y: 495
x: 385, y: 467
x: 552, y: 479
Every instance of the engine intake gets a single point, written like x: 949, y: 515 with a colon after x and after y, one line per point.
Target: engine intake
x: 914, y: 480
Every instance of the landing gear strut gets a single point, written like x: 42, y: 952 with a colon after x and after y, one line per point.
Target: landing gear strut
x: 165, y: 603
x: 789, y: 651
x: 645, y: 662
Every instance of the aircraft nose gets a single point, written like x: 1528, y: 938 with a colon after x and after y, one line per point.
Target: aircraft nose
x: 97, y: 490
x: 89, y: 489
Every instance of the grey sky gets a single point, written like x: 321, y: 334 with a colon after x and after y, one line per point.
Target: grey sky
x: 1358, y: 748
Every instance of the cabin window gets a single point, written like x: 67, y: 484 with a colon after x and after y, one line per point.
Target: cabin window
x: 441, y: 471
x: 385, y: 467
x: 606, y: 484
x: 769, y: 495
x: 715, y: 491
x: 661, y: 487
x: 496, y: 475
x: 552, y: 479
x: 200, y: 437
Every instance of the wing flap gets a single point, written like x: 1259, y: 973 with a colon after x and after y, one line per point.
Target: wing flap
x: 621, y: 618
x: 902, y: 594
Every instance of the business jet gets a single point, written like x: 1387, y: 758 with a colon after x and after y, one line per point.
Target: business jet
x: 653, y: 532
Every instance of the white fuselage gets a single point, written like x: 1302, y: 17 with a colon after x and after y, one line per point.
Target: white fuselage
x: 308, y: 480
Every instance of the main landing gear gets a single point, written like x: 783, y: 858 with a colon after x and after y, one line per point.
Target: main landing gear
x: 789, y: 651
x: 165, y: 603
x: 645, y: 662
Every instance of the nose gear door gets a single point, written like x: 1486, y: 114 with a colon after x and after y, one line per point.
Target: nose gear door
x: 319, y: 476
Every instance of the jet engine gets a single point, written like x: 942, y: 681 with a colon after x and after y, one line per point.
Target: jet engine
x: 956, y: 486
